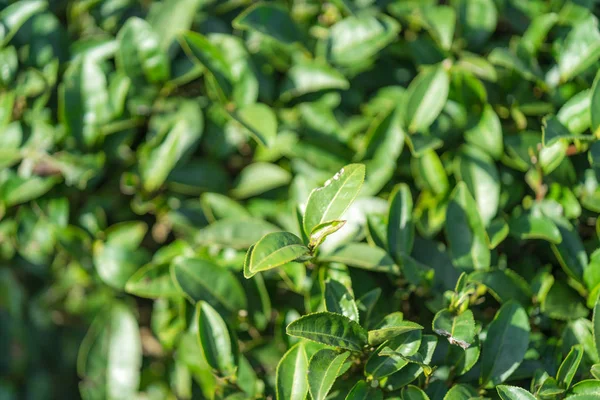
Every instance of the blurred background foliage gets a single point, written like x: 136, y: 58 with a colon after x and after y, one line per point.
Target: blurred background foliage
x: 137, y: 132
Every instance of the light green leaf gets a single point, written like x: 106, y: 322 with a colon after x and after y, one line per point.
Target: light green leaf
x: 311, y: 77
x: 513, y: 393
x: 478, y: 19
x: 172, y: 17
x: 413, y: 393
x: 487, y: 133
x: 534, y: 226
x: 13, y: 16
x: 429, y: 172
x: 391, y: 326
x: 330, y: 329
x: 333, y: 199
x: 217, y: 341
x: 159, y: 156
x: 258, y: 178
x: 580, y: 49
x: 569, y: 366
x: 497, y: 231
x: 465, y: 232
x: 292, y: 372
x: 426, y: 97
x: 461, y: 392
x: 139, y: 54
x: 338, y: 299
x: 478, y: 171
x: 238, y: 233
x: 274, y: 250
x: 323, y: 369
x: 321, y: 231
x: 84, y: 102
x: 459, y: 329
x: 348, y: 48
x: 259, y: 120
x: 202, y: 280
x: 110, y: 356
x: 441, y: 21
x: 152, y: 281
x: 414, y: 369
x: 506, y: 343
x: 596, y: 326
x: 211, y: 57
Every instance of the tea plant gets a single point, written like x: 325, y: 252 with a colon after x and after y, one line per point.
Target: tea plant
x: 299, y: 199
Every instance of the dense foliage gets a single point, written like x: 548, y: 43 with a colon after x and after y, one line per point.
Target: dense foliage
x: 299, y: 199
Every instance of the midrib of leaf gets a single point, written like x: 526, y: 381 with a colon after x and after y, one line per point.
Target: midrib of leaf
x: 299, y: 373
x: 258, y: 268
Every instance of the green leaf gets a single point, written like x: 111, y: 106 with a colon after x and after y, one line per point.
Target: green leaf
x: 391, y: 326
x: 465, y: 232
x: 479, y: 173
x: 580, y: 49
x: 272, y: 20
x: 426, y: 97
x: 13, y: 16
x: 513, y: 393
x: 211, y: 57
x: 505, y: 345
x: 570, y: 252
x: 461, y: 392
x: 594, y: 109
x: 563, y: 302
x: 361, y: 255
x: 238, y: 233
x: 172, y: 17
x: 330, y: 329
x: 152, y: 281
x: 487, y: 133
x: 588, y: 386
x: 202, y: 280
x: 311, y: 77
x: 110, y: 356
x: 362, y: 391
x: 596, y: 326
x: 259, y: 120
x: 414, y: 369
x: 292, y: 371
x: 441, y: 22
x: 459, y: 329
x: 140, y: 55
x: 504, y: 284
x: 430, y: 173
x: 413, y: 393
x: 274, y: 250
x: 84, y: 102
x: 321, y: 231
x: 401, y: 230
x: 323, y: 370
x: 396, y: 350
x: 338, y: 299
x: 158, y: 157
x: 553, y: 130
x: 497, y: 231
x: 534, y: 226
x: 346, y: 48
x: 569, y: 366
x: 217, y: 341
x: 329, y: 202
x: 478, y: 20
x: 258, y: 178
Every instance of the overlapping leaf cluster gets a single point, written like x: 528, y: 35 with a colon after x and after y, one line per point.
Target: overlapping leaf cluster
x: 352, y: 199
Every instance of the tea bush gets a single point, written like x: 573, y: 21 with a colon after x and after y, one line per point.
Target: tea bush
x: 351, y: 199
